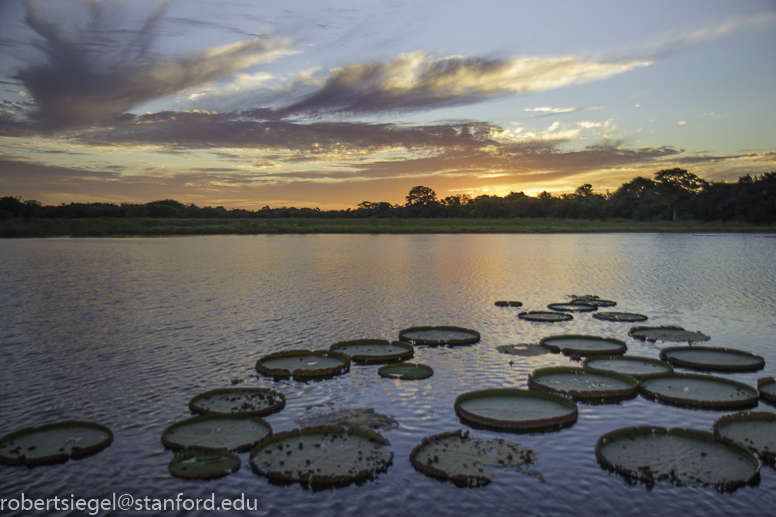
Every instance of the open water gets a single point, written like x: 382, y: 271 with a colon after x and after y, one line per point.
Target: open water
x: 124, y: 332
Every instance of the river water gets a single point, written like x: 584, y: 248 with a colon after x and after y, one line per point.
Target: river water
x: 124, y: 332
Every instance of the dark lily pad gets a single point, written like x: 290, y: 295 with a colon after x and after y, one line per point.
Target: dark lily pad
x: 678, y: 456
x: 524, y: 350
x: 214, y: 432
x: 634, y: 366
x: 713, y: 359
x: 755, y: 430
x: 515, y: 410
x: 197, y: 464
x: 365, y: 418
x: 407, y: 371
x: 465, y: 460
x: 242, y: 401
x: 767, y: 388
x: 582, y: 345
x: 577, y: 306
x: 508, y: 304
x: 303, y: 365
x: 439, y: 336
x: 374, y: 351
x: 584, y: 384
x: 321, y: 456
x: 666, y: 333
x: 53, y: 443
x: 594, y: 301
x: 545, y: 316
x: 698, y: 391
x: 630, y: 317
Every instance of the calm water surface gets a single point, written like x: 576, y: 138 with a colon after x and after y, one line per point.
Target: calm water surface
x: 125, y: 331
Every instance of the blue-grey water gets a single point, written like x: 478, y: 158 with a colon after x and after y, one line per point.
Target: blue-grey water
x: 124, y: 332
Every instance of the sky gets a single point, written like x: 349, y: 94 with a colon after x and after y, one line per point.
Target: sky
x: 248, y: 103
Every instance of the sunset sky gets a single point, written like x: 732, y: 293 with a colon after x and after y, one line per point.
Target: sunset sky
x: 327, y: 103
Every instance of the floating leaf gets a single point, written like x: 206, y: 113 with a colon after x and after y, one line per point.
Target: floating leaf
x: 303, y: 365
x: 634, y: 366
x: 754, y: 430
x: 365, y: 418
x: 584, y: 384
x: 619, y: 316
x: 407, y: 371
x: 243, y: 401
x: 213, y: 432
x: 439, y: 336
x: 576, y: 306
x: 524, y: 350
x: 515, y: 410
x: 698, y: 391
x: 716, y: 359
x: 666, y: 333
x: 545, y: 316
x: 374, y: 351
x: 53, y: 443
x: 508, y: 304
x: 767, y: 388
x: 583, y: 345
x: 197, y: 464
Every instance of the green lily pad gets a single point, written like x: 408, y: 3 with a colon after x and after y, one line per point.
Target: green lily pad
x: 595, y: 301
x: 755, y: 430
x: 439, y: 336
x: 407, y: 371
x: 584, y: 384
x: 524, y: 350
x: 634, y: 366
x: 545, y: 316
x: 508, y: 304
x: 374, y: 351
x: 242, y: 401
x: 576, y: 306
x: 630, y: 317
x: 666, y: 333
x: 214, y: 432
x: 465, y: 460
x: 515, y: 410
x: 365, y: 418
x: 582, y: 345
x: 53, y: 443
x: 716, y: 359
x: 197, y: 464
x: 303, y: 365
x: 321, y: 456
x: 678, y: 456
x: 698, y: 391
x: 767, y: 388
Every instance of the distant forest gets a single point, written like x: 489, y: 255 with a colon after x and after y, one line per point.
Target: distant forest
x: 672, y: 194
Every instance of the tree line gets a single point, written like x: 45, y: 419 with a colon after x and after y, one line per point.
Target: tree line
x: 672, y: 194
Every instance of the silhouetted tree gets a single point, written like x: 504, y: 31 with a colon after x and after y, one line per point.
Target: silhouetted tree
x: 678, y: 185
x: 421, y: 195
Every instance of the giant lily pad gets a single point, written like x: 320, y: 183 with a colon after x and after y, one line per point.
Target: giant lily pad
x: 321, y: 456
x: 303, y: 365
x: 53, y: 443
x: 214, y: 432
x: 510, y: 303
x: 464, y: 460
x: 576, y: 306
x: 708, y: 358
x: 197, y: 464
x: 677, y: 456
x: 755, y: 430
x: 634, y: 366
x: 524, y: 350
x: 767, y: 388
x: 595, y: 301
x: 439, y: 336
x: 374, y: 351
x: 666, y: 333
x: 581, y: 345
x: 515, y: 410
x: 619, y: 316
x: 584, y: 384
x: 244, y: 401
x: 366, y: 418
x: 545, y: 316
x: 698, y: 391
x: 406, y: 371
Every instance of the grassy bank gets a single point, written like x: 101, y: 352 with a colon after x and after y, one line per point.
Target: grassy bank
x: 103, y: 227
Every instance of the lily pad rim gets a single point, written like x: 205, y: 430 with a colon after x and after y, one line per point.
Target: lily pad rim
x: 692, y: 403
x: 474, y: 335
x: 427, y: 371
x: 635, y: 316
x: 622, y: 357
x: 301, y: 374
x: 614, y: 394
x: 457, y: 479
x: 408, y: 352
x: 75, y: 453
x: 545, y: 342
x: 582, y: 306
x: 759, y: 364
x: 186, y: 453
x: 557, y: 317
x: 761, y: 383
x: 638, y: 328
x: 532, y: 425
x: 746, y: 416
x: 199, y: 418
x: 240, y: 389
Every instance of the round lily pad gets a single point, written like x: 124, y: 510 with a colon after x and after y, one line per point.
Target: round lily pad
x: 53, y: 443
x: 577, y: 306
x: 677, y: 456
x: 631, y: 317
x: 439, y: 336
x: 197, y: 464
x: 524, y: 350
x: 214, y: 432
x: 408, y: 371
x: 767, y: 388
x: 582, y: 345
x: 755, y: 430
x: 243, y: 401
x: 545, y: 316
x: 666, y: 333
x: 515, y: 410
x: 366, y: 418
x: 698, y: 391
x: 502, y: 303
x: 595, y: 301
x: 584, y: 384
x: 634, y: 366
x: 321, y: 456
x: 374, y: 351
x: 464, y: 460
x: 304, y: 365
x: 708, y: 358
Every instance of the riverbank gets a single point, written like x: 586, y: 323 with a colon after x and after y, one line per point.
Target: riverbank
x: 105, y: 227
